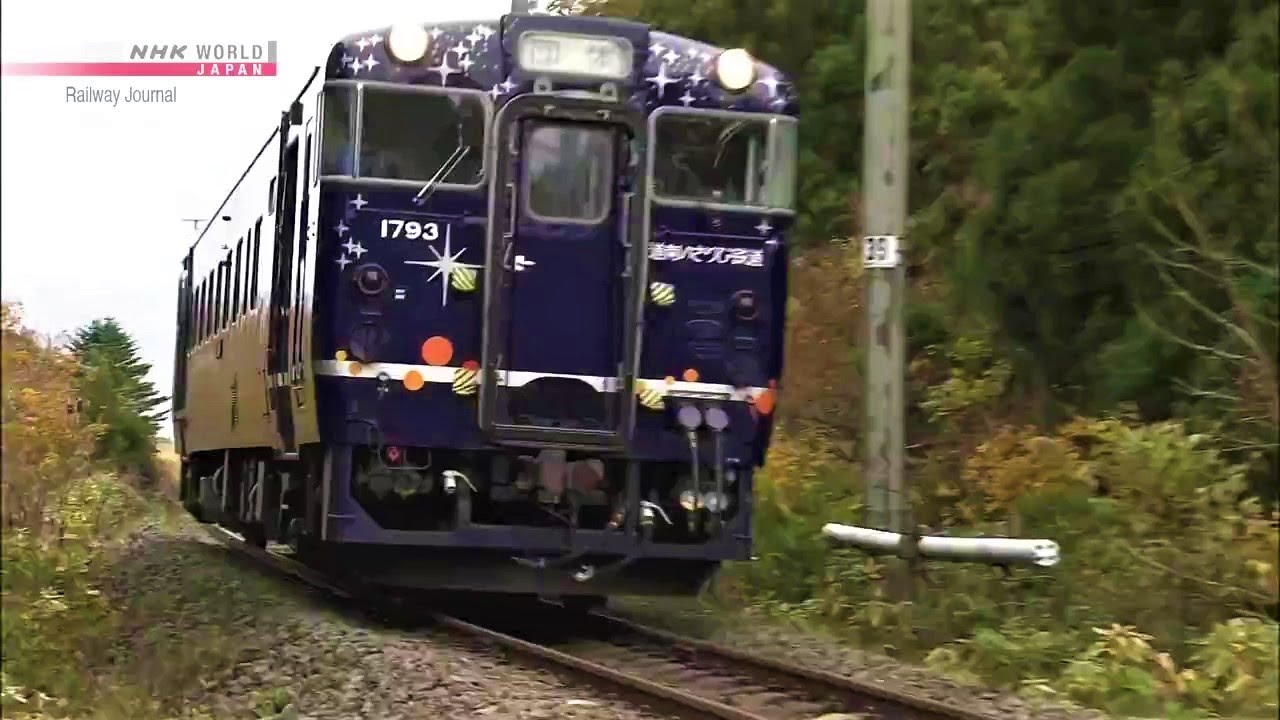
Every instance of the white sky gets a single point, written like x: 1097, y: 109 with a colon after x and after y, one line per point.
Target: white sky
x: 93, y: 196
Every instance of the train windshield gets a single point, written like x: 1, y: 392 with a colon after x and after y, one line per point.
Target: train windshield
x: 705, y: 158
x: 569, y: 172
x: 405, y: 134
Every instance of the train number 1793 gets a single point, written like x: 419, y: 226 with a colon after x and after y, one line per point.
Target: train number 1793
x: 409, y: 229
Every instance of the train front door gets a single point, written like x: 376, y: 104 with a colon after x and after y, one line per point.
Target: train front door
x: 563, y: 277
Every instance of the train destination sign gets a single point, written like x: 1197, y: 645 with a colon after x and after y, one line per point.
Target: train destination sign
x: 566, y: 54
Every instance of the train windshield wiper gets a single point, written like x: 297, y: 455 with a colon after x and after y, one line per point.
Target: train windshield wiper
x: 447, y: 167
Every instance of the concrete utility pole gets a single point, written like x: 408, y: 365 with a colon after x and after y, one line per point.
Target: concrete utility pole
x: 884, y: 187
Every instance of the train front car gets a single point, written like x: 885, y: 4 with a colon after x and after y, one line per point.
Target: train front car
x: 549, y: 305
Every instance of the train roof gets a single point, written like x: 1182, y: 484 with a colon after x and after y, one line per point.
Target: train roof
x: 467, y: 54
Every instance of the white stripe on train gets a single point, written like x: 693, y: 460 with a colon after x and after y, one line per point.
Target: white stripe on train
x: 445, y: 374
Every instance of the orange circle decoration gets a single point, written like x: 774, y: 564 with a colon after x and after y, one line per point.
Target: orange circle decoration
x: 471, y: 365
x: 765, y: 402
x: 437, y: 350
x: 690, y: 375
x: 354, y: 368
x: 340, y: 355
x: 413, y: 381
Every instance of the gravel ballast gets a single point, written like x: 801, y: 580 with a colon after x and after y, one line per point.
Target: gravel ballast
x: 251, y: 636
x: 269, y: 637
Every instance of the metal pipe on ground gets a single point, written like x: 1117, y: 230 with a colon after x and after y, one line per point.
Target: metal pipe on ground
x: 990, y: 550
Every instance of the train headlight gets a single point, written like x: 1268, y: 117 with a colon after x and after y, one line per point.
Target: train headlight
x: 371, y: 279
x: 715, y: 502
x: 735, y: 70
x: 408, y: 43
x: 689, y: 500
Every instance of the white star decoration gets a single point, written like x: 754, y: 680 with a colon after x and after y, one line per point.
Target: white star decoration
x: 343, y: 262
x: 359, y: 202
x: 341, y: 228
x: 462, y: 50
x: 355, y: 248
x: 771, y: 83
x: 662, y: 80
x: 445, y: 264
x: 444, y: 69
x: 764, y: 227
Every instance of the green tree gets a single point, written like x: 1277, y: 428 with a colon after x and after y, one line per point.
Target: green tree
x: 117, y: 394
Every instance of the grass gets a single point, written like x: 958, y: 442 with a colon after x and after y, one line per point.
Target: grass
x: 98, y: 623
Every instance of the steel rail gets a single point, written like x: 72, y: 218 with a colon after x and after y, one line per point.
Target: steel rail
x: 885, y: 702
x: 927, y: 707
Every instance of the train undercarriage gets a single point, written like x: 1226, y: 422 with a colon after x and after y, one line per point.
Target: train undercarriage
x: 550, y: 523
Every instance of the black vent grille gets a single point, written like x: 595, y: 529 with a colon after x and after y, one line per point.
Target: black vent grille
x: 235, y: 401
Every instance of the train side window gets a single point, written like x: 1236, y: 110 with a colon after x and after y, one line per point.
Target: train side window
x: 237, y: 270
x: 204, y: 310
x: 193, y: 312
x: 197, y: 316
x: 337, y: 137
x: 226, y: 290
x: 271, y: 196
x: 210, y: 307
x: 247, y: 241
x: 409, y: 134
x: 204, y: 306
x: 569, y: 172
x: 217, y: 298
x: 784, y: 151
x: 257, y: 246
x: 199, y: 313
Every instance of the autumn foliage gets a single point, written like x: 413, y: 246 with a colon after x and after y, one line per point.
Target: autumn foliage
x: 63, y: 507
x: 45, y: 444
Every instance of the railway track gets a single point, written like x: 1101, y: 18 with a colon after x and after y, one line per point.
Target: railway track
x: 682, y: 676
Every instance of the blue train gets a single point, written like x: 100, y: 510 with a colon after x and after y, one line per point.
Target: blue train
x: 498, y: 307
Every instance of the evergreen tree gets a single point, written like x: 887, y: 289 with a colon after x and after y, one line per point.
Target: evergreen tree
x: 117, y: 394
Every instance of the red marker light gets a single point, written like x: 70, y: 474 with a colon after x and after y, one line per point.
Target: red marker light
x: 393, y: 453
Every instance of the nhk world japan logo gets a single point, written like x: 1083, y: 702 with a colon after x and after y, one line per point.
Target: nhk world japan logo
x: 151, y: 59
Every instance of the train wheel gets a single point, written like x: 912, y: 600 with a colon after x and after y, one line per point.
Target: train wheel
x: 188, y: 492
x: 255, y: 535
